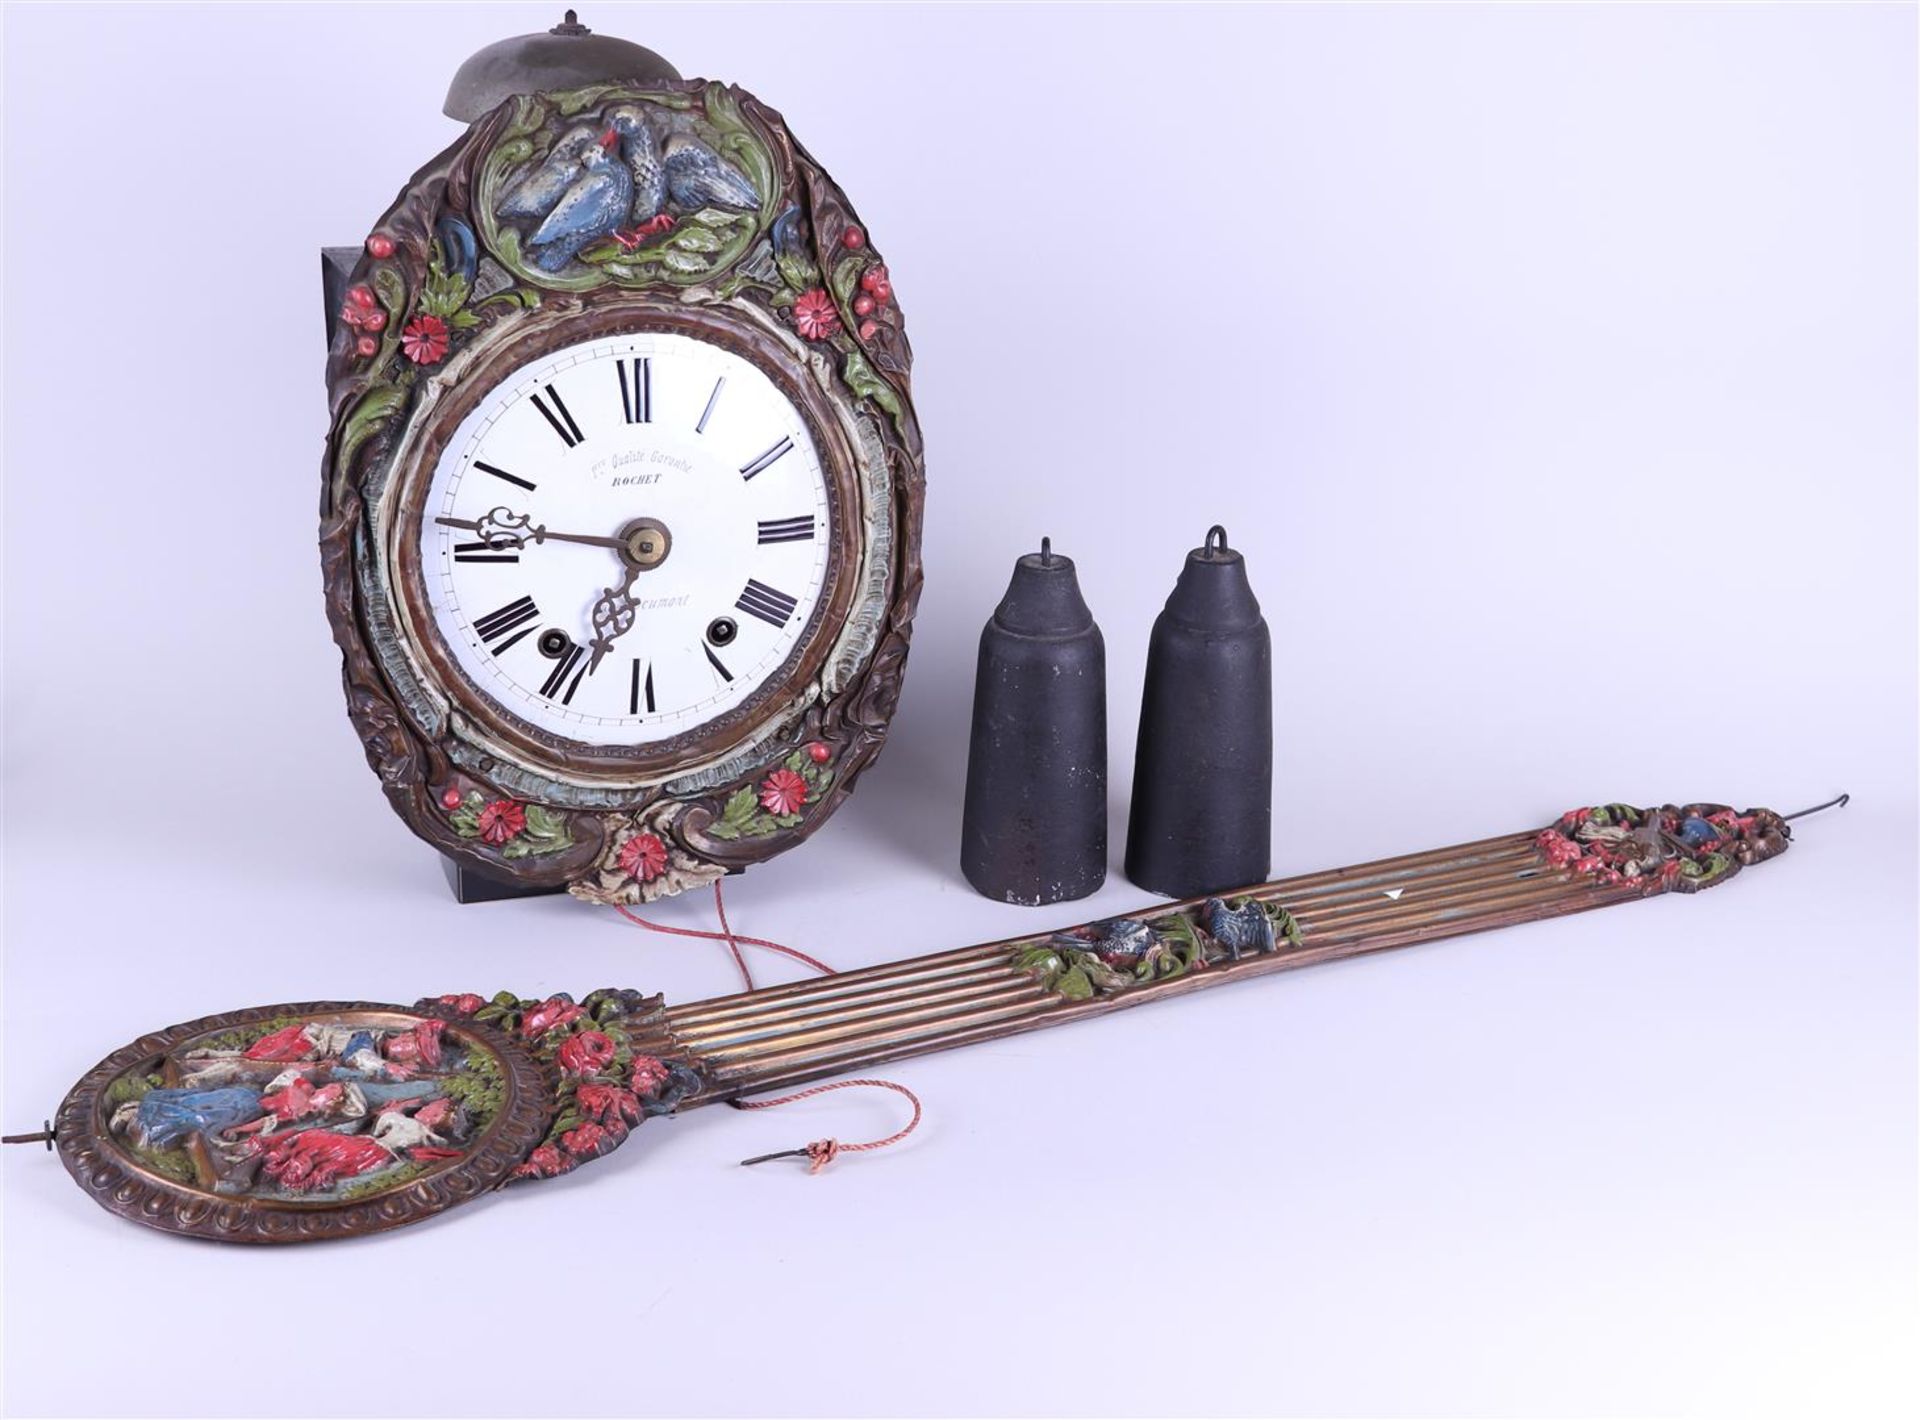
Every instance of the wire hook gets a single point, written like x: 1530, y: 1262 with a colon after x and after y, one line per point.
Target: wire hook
x: 1839, y: 803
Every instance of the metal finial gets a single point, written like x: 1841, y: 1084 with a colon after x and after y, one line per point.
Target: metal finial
x: 45, y: 1132
x: 570, y: 26
x: 1839, y: 803
x: 1046, y: 552
x: 1216, y: 540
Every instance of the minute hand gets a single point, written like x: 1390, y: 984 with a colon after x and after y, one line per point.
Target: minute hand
x: 502, y: 528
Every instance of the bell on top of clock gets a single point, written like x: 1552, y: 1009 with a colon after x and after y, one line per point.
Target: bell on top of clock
x: 568, y: 56
x: 621, y: 511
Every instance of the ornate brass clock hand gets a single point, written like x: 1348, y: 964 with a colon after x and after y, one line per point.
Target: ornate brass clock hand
x: 613, y: 616
x: 503, y: 528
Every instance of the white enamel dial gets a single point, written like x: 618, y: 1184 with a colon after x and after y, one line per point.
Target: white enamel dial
x: 625, y: 539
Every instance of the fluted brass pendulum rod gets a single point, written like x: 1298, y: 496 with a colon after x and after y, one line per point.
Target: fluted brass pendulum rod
x: 784, y: 1035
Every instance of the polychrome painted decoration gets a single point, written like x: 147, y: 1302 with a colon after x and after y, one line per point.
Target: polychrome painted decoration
x: 623, y: 492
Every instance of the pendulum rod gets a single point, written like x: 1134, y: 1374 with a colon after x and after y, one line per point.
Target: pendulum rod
x: 786, y: 1035
x: 789, y: 1034
x: 1503, y: 859
x: 993, y: 978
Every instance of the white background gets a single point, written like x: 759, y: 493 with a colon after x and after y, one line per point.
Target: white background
x: 1555, y: 368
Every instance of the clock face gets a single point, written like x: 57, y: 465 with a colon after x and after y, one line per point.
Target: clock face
x: 625, y: 539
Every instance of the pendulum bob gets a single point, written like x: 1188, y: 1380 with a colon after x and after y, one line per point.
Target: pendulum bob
x: 1203, y: 772
x: 1035, y: 823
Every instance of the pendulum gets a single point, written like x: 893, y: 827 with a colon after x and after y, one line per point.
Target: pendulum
x: 1034, y: 829
x: 328, y: 1119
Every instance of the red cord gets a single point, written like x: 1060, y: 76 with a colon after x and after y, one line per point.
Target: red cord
x: 823, y: 1151
x: 726, y: 934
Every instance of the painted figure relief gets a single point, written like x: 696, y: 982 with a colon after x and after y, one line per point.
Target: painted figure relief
x: 324, y: 1109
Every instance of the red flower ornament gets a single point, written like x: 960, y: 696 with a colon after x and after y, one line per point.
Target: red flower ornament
x: 819, y: 752
x: 588, y: 1053
x: 543, y: 1162
x: 876, y: 283
x: 584, y: 1139
x: 554, y: 1011
x: 465, y: 1002
x: 649, y: 1074
x: 609, y: 1104
x: 814, y: 316
x: 784, y: 792
x: 643, y: 856
x: 501, y: 820
x: 425, y: 340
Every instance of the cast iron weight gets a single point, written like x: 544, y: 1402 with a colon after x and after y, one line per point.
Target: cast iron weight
x: 1035, y: 824
x: 1202, y: 818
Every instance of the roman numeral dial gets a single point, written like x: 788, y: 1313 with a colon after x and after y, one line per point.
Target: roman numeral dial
x: 625, y: 541
x: 770, y: 604
x: 760, y: 463
x: 554, y: 410
x: 787, y: 529
x: 636, y: 389
x: 510, y: 623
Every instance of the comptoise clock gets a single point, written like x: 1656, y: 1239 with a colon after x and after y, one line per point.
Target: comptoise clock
x: 622, y: 493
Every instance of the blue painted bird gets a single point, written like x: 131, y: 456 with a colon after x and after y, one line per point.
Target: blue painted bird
x: 1239, y: 929
x: 699, y: 177
x: 594, y: 207
x: 640, y: 146
x: 536, y: 193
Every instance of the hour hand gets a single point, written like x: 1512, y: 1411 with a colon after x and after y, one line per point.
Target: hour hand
x: 613, y: 616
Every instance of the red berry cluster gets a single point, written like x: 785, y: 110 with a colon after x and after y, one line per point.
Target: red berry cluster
x: 362, y: 311
x: 875, y: 291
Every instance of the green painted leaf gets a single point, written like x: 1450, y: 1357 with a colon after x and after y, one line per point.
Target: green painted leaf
x: 797, y: 271
x: 845, y: 277
x: 1074, y: 984
x: 736, y: 815
x: 863, y: 381
x: 685, y: 262
x: 546, y: 832
x: 1038, y: 958
x: 374, y: 408
x: 693, y: 237
x: 513, y: 296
